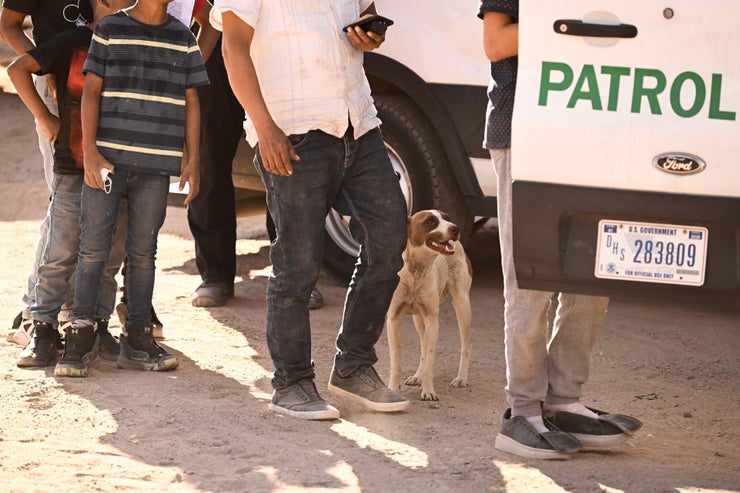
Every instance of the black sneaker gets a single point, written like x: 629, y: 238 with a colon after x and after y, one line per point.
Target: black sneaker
x: 42, y: 350
x: 139, y: 351
x: 108, y: 347
x: 122, y: 311
x: 517, y: 436
x: 80, y: 350
x: 607, y: 430
x: 302, y: 400
x: 364, y: 385
x: 157, y: 325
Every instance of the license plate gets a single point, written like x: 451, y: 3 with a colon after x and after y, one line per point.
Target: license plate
x: 649, y: 252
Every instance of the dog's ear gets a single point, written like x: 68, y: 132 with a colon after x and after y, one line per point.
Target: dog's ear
x: 446, y: 216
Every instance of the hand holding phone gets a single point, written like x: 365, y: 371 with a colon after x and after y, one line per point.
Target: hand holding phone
x: 371, y: 22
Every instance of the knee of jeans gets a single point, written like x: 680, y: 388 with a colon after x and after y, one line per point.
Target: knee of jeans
x: 140, y: 261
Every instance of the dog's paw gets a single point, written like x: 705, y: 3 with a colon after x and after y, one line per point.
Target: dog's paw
x: 459, y: 382
x: 415, y: 381
x: 393, y: 385
x: 429, y: 396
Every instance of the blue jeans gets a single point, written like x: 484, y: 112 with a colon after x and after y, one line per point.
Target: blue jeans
x: 147, y: 207
x: 55, y: 275
x: 356, y: 178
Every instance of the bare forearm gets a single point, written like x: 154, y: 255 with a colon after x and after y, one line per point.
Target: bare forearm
x: 24, y: 86
x: 90, y: 114
x: 500, y: 36
x: 243, y: 76
x: 11, y: 30
x: 192, y: 123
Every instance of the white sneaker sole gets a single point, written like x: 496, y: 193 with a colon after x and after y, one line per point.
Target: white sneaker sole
x: 506, y: 444
x: 309, y: 415
x: 383, y: 407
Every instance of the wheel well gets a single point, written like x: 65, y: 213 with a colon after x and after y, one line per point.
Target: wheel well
x: 389, y: 76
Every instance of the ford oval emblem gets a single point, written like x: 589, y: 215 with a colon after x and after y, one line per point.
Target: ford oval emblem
x: 679, y: 163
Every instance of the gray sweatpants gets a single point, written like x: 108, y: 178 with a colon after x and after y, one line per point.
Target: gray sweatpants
x: 541, y: 365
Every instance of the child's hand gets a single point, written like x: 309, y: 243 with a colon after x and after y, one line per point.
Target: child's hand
x: 50, y: 125
x: 190, y: 174
x: 94, y: 162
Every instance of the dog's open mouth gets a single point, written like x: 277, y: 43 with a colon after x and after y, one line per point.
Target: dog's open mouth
x: 445, y: 248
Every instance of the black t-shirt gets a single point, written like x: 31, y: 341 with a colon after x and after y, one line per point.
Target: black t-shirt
x: 50, y: 17
x: 64, y: 56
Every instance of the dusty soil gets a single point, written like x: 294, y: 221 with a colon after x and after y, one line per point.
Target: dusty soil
x: 207, y: 426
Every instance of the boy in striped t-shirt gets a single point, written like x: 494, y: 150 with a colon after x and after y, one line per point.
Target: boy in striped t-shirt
x: 139, y: 106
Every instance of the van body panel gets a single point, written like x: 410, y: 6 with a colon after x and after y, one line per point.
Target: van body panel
x: 641, y: 128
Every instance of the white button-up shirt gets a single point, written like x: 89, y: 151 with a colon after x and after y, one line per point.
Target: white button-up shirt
x: 310, y: 74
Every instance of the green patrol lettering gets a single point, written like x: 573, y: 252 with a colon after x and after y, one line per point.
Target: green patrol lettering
x: 700, y: 94
x: 686, y: 93
x: 587, y: 78
x: 547, y: 85
x: 639, y: 89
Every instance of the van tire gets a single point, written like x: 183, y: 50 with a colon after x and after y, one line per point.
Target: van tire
x: 424, y: 173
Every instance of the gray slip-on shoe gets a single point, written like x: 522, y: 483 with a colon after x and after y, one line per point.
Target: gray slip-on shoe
x: 302, y: 400
x: 517, y: 436
x: 363, y: 385
x: 607, y: 430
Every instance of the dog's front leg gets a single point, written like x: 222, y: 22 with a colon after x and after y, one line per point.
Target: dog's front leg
x: 461, y: 303
x: 393, y: 330
x: 429, y: 347
x: 419, y: 326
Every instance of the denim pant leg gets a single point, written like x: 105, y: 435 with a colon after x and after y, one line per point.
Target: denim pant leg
x: 109, y: 287
x: 531, y: 362
x: 371, y: 195
x: 298, y: 205
x: 98, y: 218
x: 147, y: 208
x: 29, y: 297
x: 59, y: 259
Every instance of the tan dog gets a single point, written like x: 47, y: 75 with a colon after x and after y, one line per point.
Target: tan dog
x: 435, y: 265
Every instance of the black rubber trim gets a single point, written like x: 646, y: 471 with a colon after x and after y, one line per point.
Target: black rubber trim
x: 555, y: 233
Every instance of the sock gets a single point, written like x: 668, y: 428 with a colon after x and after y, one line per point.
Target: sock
x: 537, y: 422
x: 573, y: 407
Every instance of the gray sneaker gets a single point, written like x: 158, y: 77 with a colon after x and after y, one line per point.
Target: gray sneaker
x: 519, y: 437
x: 364, y: 385
x: 302, y: 400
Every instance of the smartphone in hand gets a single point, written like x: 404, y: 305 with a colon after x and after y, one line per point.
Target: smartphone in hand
x: 371, y: 22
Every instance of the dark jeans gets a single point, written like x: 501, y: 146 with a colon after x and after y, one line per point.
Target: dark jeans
x: 356, y: 178
x: 147, y: 207
x: 212, y: 214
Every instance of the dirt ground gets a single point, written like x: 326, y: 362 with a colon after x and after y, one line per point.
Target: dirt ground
x: 207, y: 427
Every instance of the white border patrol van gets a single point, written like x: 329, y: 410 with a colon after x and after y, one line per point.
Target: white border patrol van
x: 626, y: 146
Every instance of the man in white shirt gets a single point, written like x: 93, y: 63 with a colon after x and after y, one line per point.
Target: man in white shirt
x: 300, y: 80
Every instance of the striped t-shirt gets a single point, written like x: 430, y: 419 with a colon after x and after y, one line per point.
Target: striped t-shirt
x: 145, y: 70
